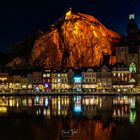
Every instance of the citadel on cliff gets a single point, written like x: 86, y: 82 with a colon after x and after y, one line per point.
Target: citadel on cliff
x: 80, y: 41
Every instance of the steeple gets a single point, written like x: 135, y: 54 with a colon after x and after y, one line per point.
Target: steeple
x: 132, y: 27
x: 132, y: 11
x: 132, y: 15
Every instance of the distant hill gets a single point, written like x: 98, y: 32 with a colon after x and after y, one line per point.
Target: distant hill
x: 4, y: 58
x: 21, y: 51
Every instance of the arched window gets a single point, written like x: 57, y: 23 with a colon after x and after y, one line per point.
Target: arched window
x: 132, y: 80
x: 132, y: 68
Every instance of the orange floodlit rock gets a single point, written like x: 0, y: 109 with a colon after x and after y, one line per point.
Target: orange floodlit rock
x: 76, y: 40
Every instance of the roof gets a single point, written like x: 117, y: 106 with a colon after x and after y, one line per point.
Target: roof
x: 77, y: 72
x: 119, y: 65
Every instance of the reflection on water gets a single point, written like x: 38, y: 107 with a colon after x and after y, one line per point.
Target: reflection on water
x: 76, y: 117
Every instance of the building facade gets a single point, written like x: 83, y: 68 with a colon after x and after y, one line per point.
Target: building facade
x: 89, y: 81
x: 121, y: 77
x: 129, y: 51
x: 37, y: 81
x: 59, y: 81
x: 77, y: 81
x: 4, y: 81
x: 104, y: 79
x: 46, y: 79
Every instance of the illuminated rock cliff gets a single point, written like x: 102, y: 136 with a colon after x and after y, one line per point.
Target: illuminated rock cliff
x: 75, y: 40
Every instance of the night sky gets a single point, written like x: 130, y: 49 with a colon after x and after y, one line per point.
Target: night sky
x: 18, y: 19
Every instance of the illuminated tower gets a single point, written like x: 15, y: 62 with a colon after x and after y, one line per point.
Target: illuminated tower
x: 133, y: 48
x: 132, y: 28
x: 129, y: 51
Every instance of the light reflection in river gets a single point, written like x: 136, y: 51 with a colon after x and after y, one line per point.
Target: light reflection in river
x: 92, y: 117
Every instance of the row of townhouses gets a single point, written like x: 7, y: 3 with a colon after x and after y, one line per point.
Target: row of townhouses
x: 91, y: 79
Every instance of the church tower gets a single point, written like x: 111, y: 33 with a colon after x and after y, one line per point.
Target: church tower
x: 132, y: 28
x: 133, y: 53
x: 129, y: 51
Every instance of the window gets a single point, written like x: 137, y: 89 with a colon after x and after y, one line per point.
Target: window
x: 132, y: 80
x: 77, y: 79
x: 132, y: 67
x: 83, y: 75
x: 122, y: 49
x: 48, y: 75
x: 59, y: 80
x: 118, y: 74
x: 44, y: 75
x: 131, y: 16
x: 126, y: 79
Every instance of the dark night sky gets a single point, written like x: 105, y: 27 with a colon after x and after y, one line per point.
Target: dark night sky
x: 21, y: 18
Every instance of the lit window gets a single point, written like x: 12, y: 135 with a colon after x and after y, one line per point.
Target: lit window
x: 132, y: 68
x: 125, y: 78
x: 77, y: 79
x: 131, y: 16
x: 48, y: 75
x: 44, y: 75
x: 119, y: 74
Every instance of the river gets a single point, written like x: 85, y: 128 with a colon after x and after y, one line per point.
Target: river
x: 69, y: 117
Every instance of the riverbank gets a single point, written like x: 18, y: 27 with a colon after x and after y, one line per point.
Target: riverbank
x: 70, y: 94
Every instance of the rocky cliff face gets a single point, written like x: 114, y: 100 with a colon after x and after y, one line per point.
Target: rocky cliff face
x: 75, y: 40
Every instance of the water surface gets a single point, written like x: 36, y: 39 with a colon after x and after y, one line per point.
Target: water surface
x: 70, y: 117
